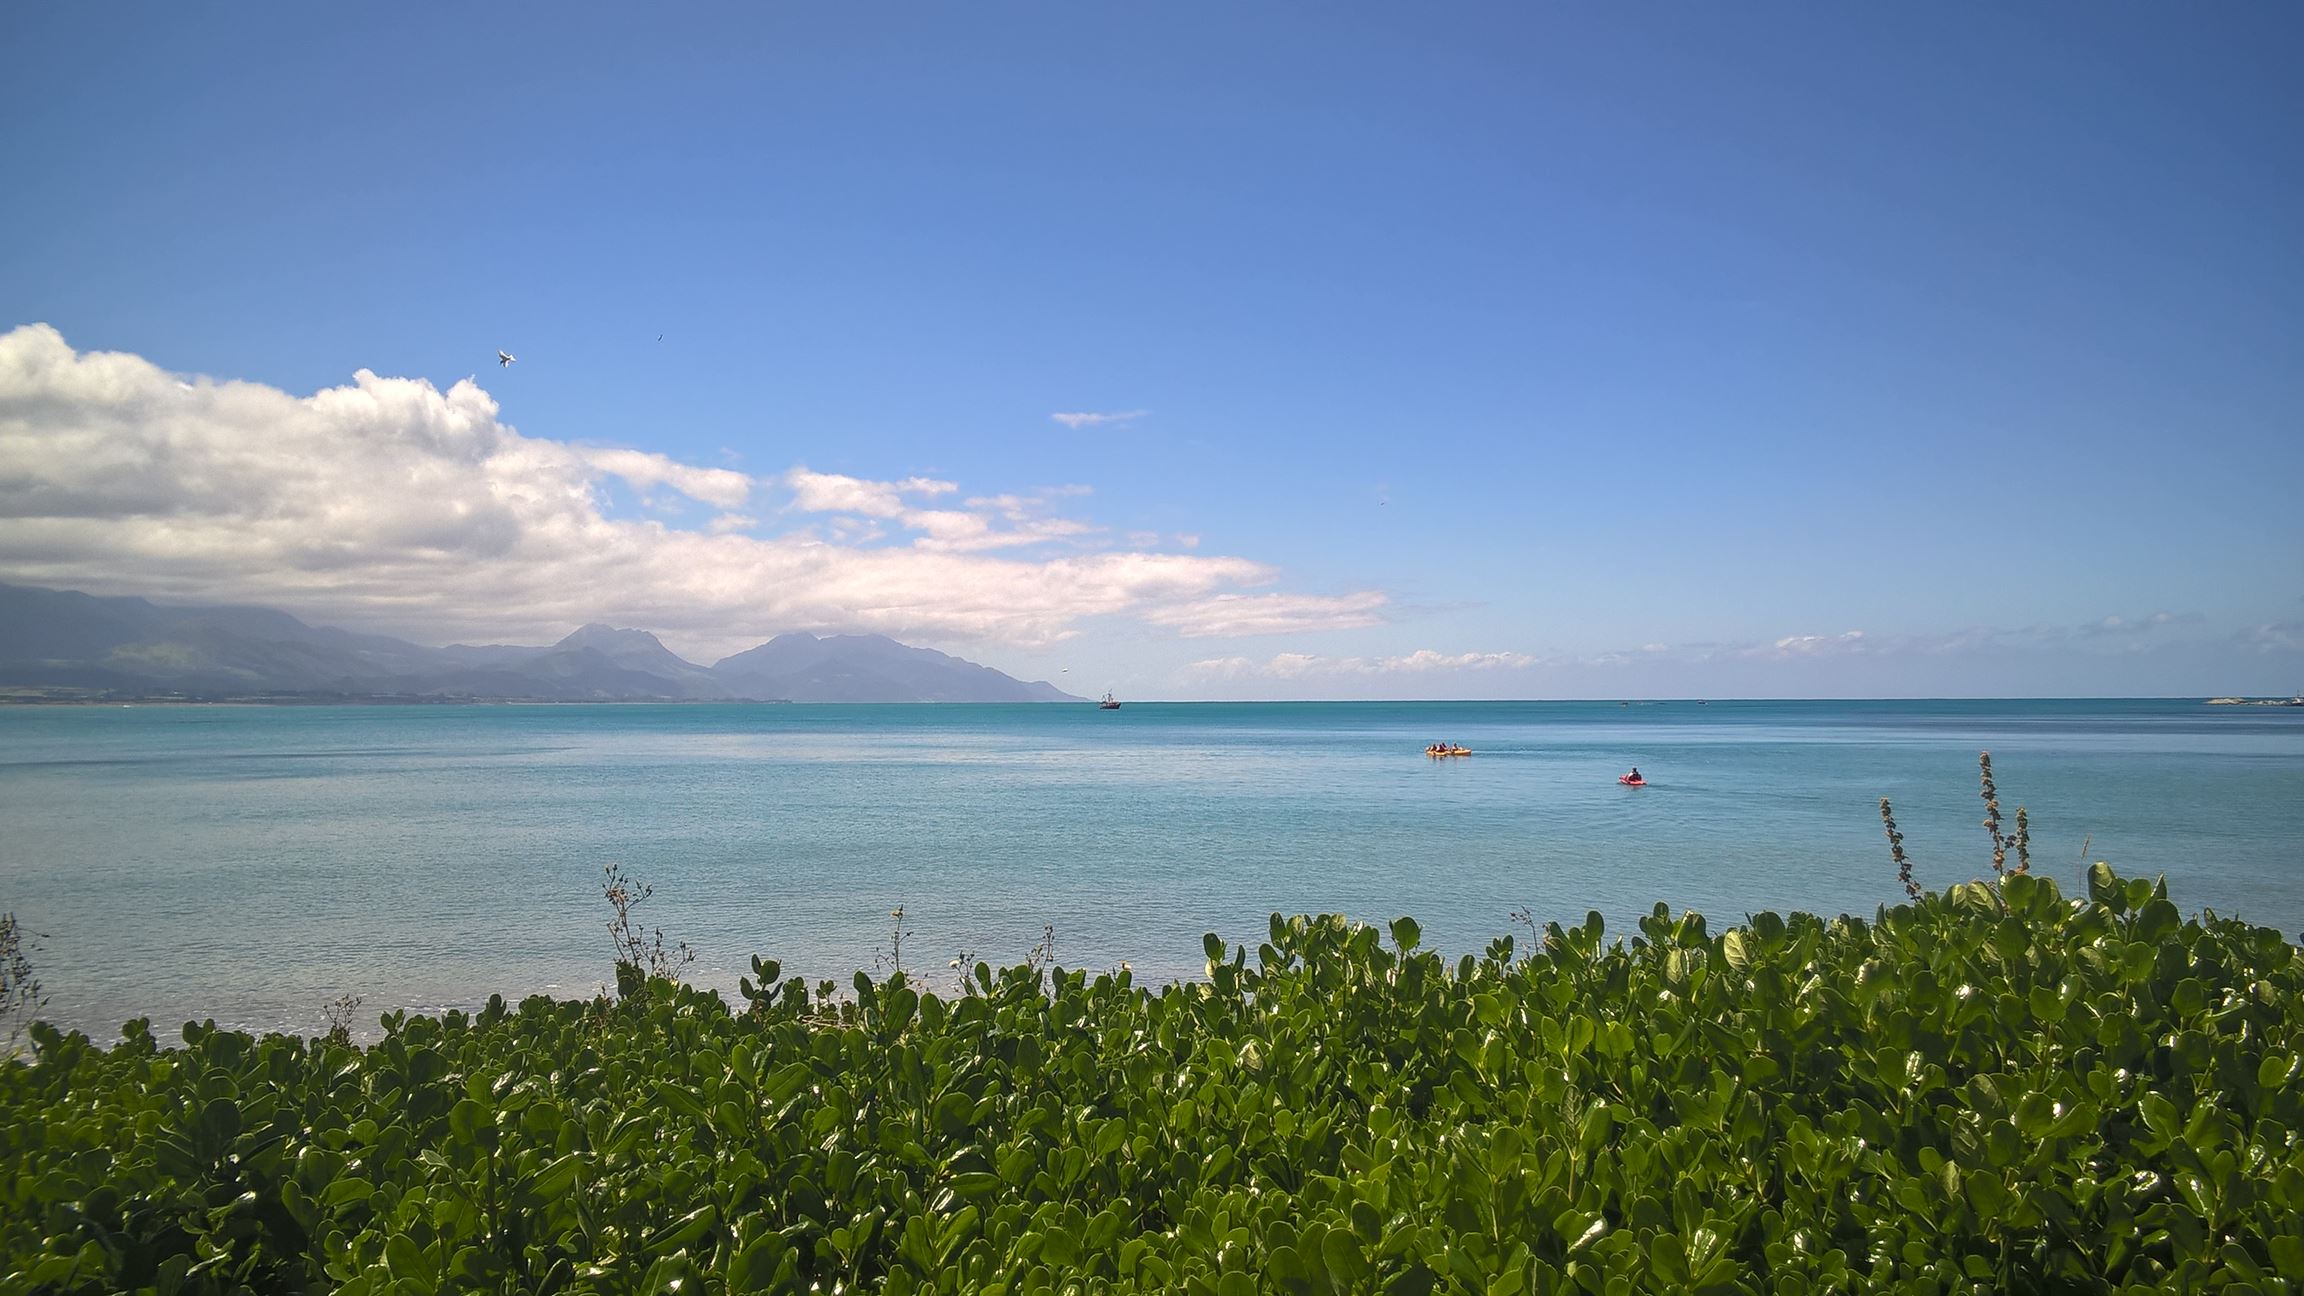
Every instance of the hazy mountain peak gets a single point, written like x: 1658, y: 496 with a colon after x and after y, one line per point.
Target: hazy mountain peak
x: 64, y: 639
x: 597, y: 634
x: 870, y: 668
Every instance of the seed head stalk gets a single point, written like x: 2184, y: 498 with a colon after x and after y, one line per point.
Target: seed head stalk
x: 1896, y: 850
x: 1992, y: 816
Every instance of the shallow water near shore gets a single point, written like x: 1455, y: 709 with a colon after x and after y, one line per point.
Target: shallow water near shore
x: 250, y: 864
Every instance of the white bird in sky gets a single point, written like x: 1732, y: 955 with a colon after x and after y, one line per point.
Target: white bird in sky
x: 505, y: 358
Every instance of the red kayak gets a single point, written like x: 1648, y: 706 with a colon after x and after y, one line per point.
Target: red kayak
x: 1629, y: 781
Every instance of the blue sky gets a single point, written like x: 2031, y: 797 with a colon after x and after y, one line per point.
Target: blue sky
x: 1490, y: 351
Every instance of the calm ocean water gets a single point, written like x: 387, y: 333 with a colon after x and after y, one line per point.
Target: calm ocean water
x: 250, y: 864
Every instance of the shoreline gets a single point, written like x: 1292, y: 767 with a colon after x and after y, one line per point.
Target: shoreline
x: 34, y: 697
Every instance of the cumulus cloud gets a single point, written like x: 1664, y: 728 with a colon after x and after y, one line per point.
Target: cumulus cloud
x: 1262, y: 614
x: 1082, y: 420
x: 392, y: 504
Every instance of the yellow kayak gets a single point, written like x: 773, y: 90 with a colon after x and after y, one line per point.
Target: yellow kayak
x: 1437, y: 752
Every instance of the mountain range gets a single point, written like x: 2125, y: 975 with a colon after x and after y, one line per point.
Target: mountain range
x: 70, y: 643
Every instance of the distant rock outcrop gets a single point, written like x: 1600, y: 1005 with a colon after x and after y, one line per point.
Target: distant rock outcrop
x: 62, y: 640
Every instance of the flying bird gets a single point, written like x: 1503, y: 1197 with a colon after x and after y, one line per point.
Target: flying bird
x: 505, y: 359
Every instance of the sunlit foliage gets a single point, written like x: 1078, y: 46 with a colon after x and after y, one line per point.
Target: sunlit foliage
x: 1993, y: 1088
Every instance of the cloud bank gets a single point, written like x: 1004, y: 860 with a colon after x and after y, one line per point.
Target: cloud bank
x: 392, y: 504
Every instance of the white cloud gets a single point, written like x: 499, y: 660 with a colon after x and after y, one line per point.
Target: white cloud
x: 1013, y: 507
x: 1427, y: 660
x: 1809, y: 645
x: 1293, y: 666
x: 1854, y: 662
x: 2117, y: 625
x: 2276, y: 636
x: 1223, y: 668
x: 1018, y: 507
x: 815, y: 492
x: 1261, y: 614
x: 2109, y: 634
x: 847, y: 531
x: 1081, y: 420
x: 722, y: 486
x: 961, y: 530
x: 391, y: 504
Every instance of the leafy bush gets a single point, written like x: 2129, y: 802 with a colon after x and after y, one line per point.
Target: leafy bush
x: 1989, y: 1089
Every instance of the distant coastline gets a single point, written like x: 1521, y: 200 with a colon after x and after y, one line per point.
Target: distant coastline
x: 37, y: 697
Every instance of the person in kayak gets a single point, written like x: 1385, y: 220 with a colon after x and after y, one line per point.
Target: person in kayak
x: 1635, y: 775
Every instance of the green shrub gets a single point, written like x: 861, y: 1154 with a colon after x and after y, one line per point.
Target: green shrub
x: 1989, y: 1089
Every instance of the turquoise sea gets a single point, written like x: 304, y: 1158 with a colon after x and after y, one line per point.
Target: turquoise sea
x: 250, y: 864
